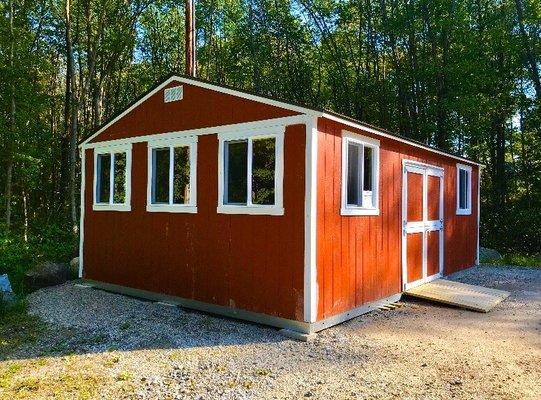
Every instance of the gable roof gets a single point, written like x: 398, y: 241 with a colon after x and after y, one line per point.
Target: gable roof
x: 302, y: 109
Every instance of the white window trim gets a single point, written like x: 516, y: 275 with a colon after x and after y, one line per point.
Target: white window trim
x: 348, y: 137
x: 111, y: 149
x: 191, y: 143
x: 468, y: 169
x: 277, y: 208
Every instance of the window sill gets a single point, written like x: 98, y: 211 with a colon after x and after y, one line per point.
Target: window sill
x: 359, y: 211
x: 463, y: 212
x: 176, y: 208
x: 250, y: 210
x: 111, y: 207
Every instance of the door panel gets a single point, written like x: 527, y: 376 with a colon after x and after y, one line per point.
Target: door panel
x: 422, y: 220
x: 415, y: 197
x: 433, y: 190
x: 433, y: 252
x: 415, y: 256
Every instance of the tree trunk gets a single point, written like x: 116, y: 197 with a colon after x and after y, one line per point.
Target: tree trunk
x: 11, y: 134
x: 530, y: 58
x: 72, y: 115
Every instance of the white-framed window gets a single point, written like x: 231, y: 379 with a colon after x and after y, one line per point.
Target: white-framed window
x: 250, y: 172
x: 360, y: 175
x: 112, y: 178
x: 172, y: 175
x: 463, y: 189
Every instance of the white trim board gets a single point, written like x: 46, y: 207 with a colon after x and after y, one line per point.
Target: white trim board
x: 304, y: 111
x: 394, y: 137
x: 231, y: 128
x: 208, y: 86
x: 82, y: 212
x: 310, y: 228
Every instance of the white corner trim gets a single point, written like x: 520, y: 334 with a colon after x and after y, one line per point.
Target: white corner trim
x: 393, y: 137
x: 468, y: 169
x: 82, y: 213
x: 276, y: 132
x: 111, y: 149
x: 365, y: 141
x: 168, y: 142
x: 477, y: 259
x: 310, y: 228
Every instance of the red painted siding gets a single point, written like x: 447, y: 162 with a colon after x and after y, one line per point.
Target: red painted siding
x: 251, y: 262
x: 199, y: 108
x: 359, y: 257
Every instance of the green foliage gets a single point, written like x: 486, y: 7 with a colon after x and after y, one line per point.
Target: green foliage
x: 45, y: 242
x: 18, y: 328
x: 460, y: 75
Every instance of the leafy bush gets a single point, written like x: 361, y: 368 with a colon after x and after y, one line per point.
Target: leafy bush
x: 45, y: 242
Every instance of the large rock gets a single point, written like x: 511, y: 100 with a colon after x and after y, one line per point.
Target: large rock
x: 46, y: 274
x: 487, y: 255
x: 7, y: 297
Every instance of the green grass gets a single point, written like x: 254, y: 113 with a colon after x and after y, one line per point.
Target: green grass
x: 17, y: 328
x: 523, y: 260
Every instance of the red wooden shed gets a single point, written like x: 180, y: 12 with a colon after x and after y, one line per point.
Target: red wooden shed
x: 241, y: 205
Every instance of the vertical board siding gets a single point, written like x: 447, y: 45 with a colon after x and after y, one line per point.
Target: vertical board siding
x: 253, y: 262
x: 359, y: 257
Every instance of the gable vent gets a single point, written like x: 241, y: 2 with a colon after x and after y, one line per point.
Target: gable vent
x: 172, y: 94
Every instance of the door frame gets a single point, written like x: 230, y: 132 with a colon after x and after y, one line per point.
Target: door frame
x: 425, y: 170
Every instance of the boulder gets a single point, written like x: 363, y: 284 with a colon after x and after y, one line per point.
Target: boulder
x: 7, y: 297
x: 46, y: 274
x: 74, y: 267
x: 487, y: 255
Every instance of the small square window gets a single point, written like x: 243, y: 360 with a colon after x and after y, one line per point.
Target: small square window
x: 463, y: 201
x: 360, y: 163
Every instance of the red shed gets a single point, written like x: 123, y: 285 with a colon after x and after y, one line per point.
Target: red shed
x: 241, y: 205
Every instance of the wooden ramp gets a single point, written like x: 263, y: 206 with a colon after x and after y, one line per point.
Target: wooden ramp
x: 471, y: 297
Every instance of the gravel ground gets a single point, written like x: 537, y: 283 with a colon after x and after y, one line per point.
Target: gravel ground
x: 103, y: 345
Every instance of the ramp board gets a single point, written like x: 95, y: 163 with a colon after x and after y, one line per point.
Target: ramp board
x: 470, y: 297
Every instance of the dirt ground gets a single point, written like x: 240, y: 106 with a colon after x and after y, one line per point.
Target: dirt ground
x: 96, y: 344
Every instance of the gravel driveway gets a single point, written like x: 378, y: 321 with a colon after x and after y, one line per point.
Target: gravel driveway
x: 103, y: 345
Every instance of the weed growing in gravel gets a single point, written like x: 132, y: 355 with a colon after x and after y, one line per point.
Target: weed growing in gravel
x: 5, y: 376
x: 124, y: 376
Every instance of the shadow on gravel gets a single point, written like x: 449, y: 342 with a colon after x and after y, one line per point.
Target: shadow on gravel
x: 67, y: 320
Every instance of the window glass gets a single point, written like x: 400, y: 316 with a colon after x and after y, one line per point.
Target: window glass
x: 367, y: 169
x: 236, y: 159
x: 181, y: 175
x: 160, y: 179
x: 463, y: 189
x: 103, y: 182
x: 263, y: 167
x: 353, y: 184
x: 119, y: 175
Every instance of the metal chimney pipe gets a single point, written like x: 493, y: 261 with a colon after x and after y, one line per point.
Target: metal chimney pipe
x: 190, y: 37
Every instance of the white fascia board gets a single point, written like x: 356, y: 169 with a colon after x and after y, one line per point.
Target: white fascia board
x: 393, y: 137
x: 209, y: 86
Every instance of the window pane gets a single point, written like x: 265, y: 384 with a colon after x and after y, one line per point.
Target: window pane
x: 119, y: 191
x: 462, y: 189
x: 263, y: 168
x: 160, y: 178
x: 181, y: 175
x: 367, y: 180
x: 353, y: 188
x: 103, y: 183
x: 236, y: 159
